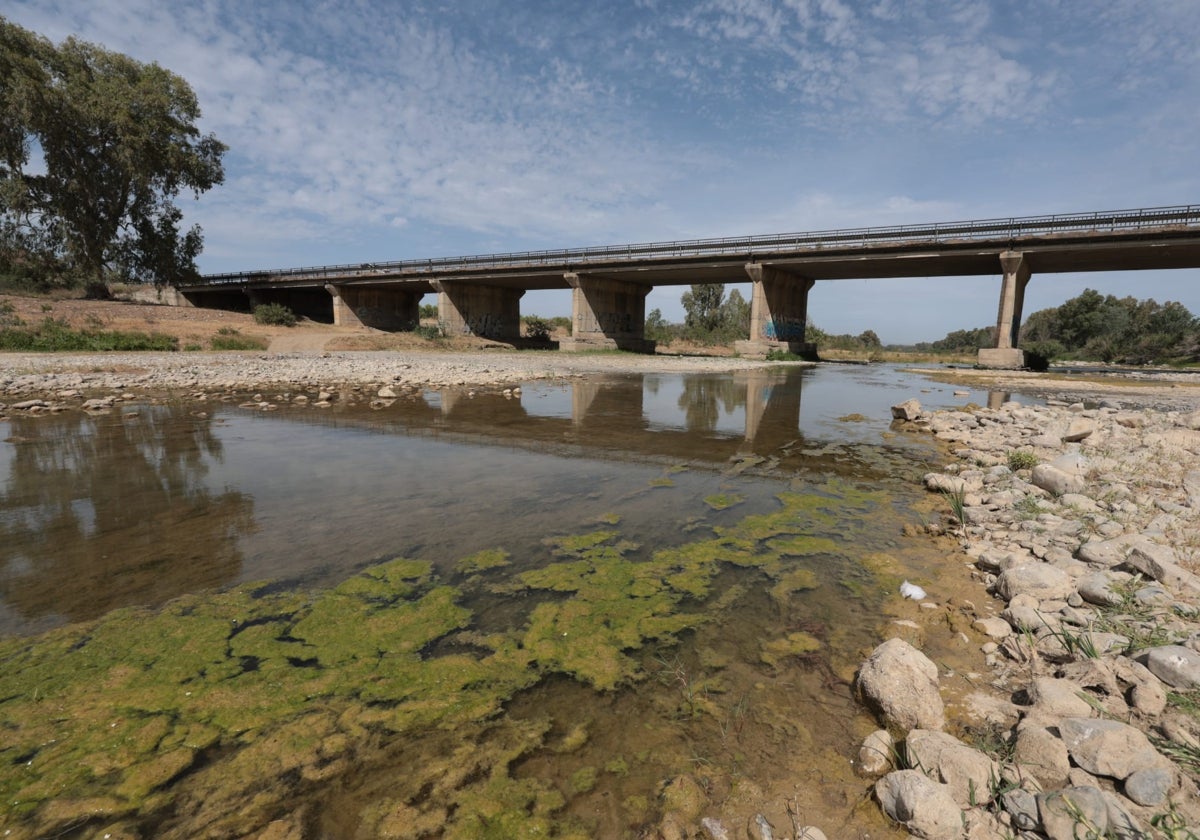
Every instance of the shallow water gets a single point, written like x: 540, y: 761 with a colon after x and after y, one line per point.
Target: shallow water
x: 726, y: 543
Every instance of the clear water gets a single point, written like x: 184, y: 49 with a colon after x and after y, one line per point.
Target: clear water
x: 152, y: 502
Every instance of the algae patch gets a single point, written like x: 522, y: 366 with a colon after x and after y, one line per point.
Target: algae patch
x: 220, y: 713
x: 723, y: 501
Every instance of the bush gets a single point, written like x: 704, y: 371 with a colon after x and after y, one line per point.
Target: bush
x: 56, y: 335
x: 238, y: 342
x: 1022, y: 461
x: 429, y: 333
x: 274, y: 314
x: 536, y: 329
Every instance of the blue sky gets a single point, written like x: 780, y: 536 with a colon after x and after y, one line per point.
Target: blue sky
x: 369, y: 131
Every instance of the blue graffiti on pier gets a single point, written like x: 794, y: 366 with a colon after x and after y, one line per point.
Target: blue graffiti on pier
x: 784, y: 329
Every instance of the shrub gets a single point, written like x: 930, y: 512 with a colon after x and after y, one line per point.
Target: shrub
x: 56, y: 335
x: 536, y: 329
x: 274, y: 314
x: 238, y: 342
x: 429, y: 333
x: 1022, y: 461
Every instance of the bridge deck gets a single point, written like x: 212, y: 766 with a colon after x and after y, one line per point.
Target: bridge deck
x: 1149, y: 238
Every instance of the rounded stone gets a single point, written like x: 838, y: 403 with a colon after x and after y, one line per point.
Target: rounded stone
x: 902, y: 683
x: 1040, y: 580
x: 922, y: 805
x: 1149, y: 787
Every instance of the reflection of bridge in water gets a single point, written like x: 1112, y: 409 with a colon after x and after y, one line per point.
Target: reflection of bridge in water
x: 700, y: 419
x: 614, y: 416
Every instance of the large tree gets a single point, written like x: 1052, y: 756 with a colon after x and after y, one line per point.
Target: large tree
x: 94, y: 148
x: 702, y: 306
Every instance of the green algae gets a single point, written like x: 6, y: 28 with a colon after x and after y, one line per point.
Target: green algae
x: 723, y: 501
x: 662, y: 481
x: 583, y: 780
x: 795, y: 580
x: 201, y: 707
x: 482, y: 561
x: 773, y: 652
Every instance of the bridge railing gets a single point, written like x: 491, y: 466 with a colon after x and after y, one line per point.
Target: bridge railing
x: 1011, y: 229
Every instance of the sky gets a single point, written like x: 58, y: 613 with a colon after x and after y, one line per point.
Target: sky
x: 370, y: 131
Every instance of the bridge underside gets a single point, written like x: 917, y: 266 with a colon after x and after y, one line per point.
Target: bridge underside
x: 608, y: 294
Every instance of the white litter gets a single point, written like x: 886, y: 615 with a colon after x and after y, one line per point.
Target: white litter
x: 911, y: 590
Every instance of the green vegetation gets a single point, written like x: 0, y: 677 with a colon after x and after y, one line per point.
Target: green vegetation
x: 94, y: 148
x: 710, y: 318
x: 537, y: 329
x: 1019, y: 460
x: 229, y: 339
x: 428, y: 310
x: 1095, y: 327
x: 1105, y: 328
x: 219, y: 713
x: 274, y: 314
x: 866, y: 342
x: 56, y: 335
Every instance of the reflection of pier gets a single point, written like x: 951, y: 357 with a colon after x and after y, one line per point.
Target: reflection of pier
x: 615, y: 417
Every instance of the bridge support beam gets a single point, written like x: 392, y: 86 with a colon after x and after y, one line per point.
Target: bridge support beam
x: 1008, y: 319
x: 484, y: 311
x: 778, y: 312
x: 394, y: 310
x: 607, y: 314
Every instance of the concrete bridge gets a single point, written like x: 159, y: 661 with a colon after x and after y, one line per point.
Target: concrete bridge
x: 480, y: 295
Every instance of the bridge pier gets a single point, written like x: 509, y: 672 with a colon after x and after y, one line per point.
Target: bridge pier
x: 484, y: 311
x: 778, y: 312
x: 1008, y: 319
x: 393, y: 310
x: 607, y: 314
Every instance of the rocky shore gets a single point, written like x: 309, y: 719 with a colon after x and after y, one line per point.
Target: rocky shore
x: 1084, y: 523
x: 94, y: 374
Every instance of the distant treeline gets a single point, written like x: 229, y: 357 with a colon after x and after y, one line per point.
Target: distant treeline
x: 1095, y: 327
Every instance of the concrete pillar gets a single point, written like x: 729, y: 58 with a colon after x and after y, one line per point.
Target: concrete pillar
x: 1008, y: 318
x: 778, y: 312
x: 609, y: 314
x: 474, y: 309
x: 377, y: 307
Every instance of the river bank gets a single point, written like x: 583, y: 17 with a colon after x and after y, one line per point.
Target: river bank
x: 44, y: 374
x: 1082, y: 522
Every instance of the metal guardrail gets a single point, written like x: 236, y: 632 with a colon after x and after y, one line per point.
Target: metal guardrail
x: 1010, y: 229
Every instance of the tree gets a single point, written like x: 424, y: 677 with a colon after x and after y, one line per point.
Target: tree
x: 869, y: 339
x: 735, y: 315
x: 116, y: 141
x: 702, y: 306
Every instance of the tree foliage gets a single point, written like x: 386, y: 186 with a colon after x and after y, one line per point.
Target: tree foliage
x: 1105, y: 328
x: 709, y: 317
x: 702, y: 306
x: 94, y: 148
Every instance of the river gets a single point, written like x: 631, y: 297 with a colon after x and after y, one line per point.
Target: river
x: 570, y: 611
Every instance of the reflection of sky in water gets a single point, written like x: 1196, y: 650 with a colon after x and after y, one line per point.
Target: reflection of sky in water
x: 547, y: 400
x: 311, y: 494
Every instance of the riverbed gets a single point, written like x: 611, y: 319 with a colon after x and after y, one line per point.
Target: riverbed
x: 584, y: 605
